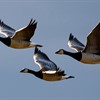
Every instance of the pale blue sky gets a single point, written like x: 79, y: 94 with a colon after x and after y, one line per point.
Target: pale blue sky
x: 56, y: 20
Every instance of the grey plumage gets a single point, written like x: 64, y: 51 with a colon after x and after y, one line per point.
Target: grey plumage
x: 75, y: 44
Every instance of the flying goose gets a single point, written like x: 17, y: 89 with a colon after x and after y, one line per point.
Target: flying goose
x: 48, y: 69
x: 89, y: 54
x: 18, y: 39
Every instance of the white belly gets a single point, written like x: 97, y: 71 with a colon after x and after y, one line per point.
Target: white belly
x: 19, y: 44
x: 90, y: 58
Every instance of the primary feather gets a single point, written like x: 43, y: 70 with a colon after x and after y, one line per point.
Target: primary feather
x: 75, y: 44
x: 27, y: 32
x: 6, y: 30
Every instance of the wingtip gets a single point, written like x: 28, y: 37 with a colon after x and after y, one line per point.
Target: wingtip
x: 32, y: 22
x: 71, y: 36
x: 1, y: 22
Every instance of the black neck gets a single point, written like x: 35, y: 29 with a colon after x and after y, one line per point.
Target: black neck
x: 37, y: 74
x: 76, y: 56
x: 6, y: 41
x: 36, y: 50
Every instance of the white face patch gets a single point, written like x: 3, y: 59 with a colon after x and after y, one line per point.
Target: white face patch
x: 25, y: 71
x: 61, y: 52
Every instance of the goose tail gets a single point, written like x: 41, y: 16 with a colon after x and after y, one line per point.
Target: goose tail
x: 68, y: 77
x: 38, y: 45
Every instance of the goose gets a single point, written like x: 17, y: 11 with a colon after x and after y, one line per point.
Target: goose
x: 48, y: 69
x: 89, y: 54
x: 18, y: 39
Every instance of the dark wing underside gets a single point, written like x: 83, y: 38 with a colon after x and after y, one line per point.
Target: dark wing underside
x: 93, y: 41
x: 26, y: 33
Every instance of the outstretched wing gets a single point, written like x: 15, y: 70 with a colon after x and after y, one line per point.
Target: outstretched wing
x: 93, y: 41
x: 6, y: 30
x: 75, y: 44
x: 43, y: 61
x: 27, y: 32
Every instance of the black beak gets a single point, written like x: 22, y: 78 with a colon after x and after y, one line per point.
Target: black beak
x: 22, y: 70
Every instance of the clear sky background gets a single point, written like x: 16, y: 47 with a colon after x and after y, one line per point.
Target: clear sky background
x: 56, y: 20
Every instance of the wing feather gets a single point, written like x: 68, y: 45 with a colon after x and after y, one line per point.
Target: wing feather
x: 6, y: 30
x: 75, y: 44
x: 93, y: 41
x: 27, y: 32
x: 43, y: 61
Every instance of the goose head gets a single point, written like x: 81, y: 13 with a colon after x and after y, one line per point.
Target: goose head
x: 25, y: 70
x: 77, y: 55
x: 60, y: 51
